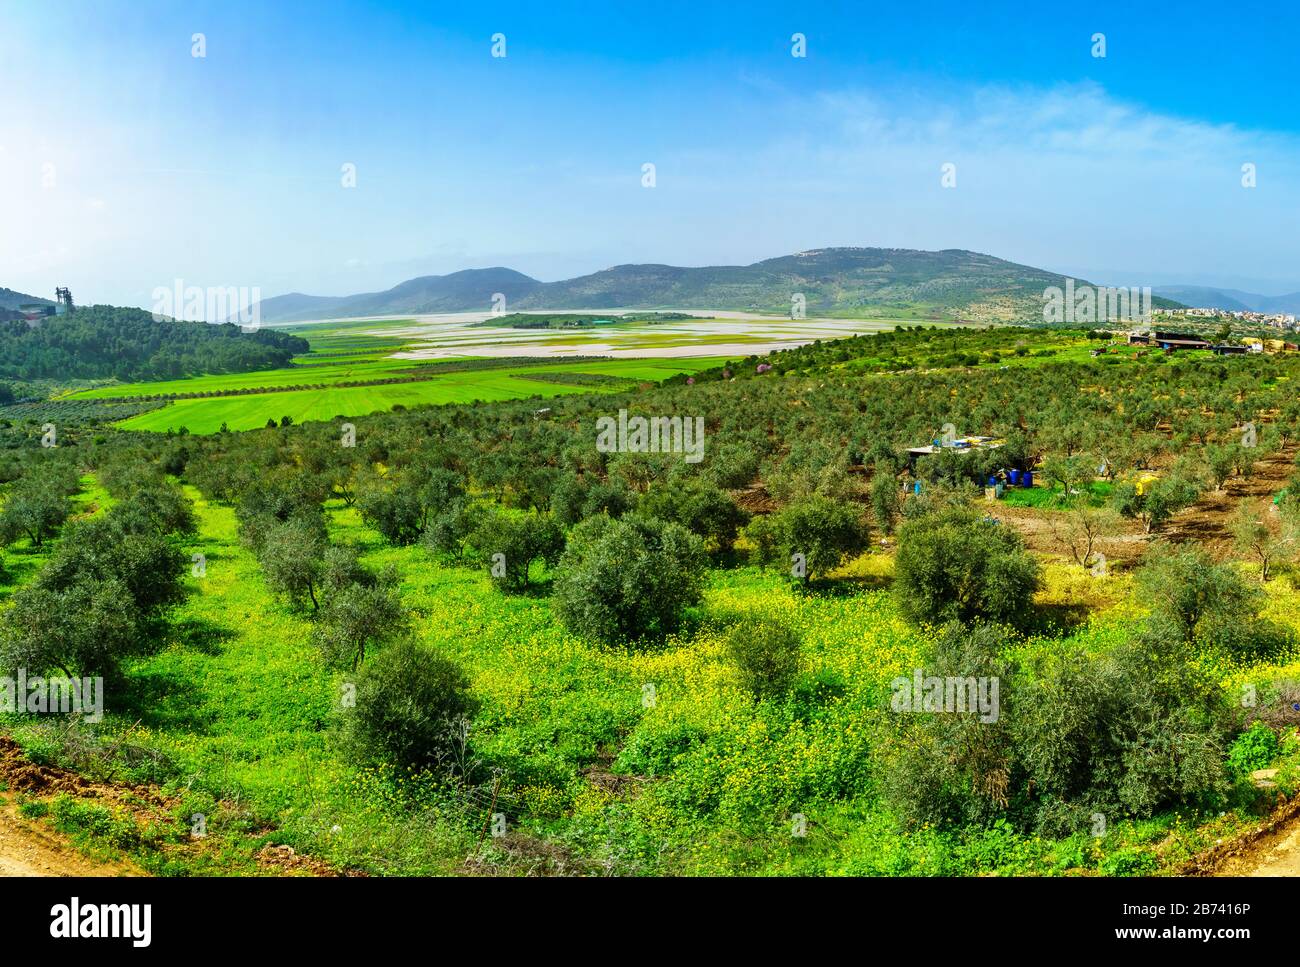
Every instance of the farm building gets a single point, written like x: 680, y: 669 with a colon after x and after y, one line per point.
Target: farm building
x: 1167, y: 340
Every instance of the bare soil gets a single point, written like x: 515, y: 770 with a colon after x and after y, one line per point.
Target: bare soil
x: 29, y: 847
x: 1207, y: 523
x: 1270, y: 849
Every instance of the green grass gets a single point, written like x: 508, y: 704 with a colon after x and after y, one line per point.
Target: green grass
x: 248, y: 412
x: 334, y: 372
x: 1052, y: 496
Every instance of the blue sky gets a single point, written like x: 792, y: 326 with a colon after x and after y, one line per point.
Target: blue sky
x: 126, y: 163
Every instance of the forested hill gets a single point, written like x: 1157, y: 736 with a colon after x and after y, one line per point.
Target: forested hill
x: 97, y: 342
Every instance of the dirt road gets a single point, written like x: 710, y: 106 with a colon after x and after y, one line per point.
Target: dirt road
x: 28, y: 850
x: 1275, y: 853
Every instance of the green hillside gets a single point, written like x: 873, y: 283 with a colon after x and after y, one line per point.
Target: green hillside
x: 108, y: 341
x: 949, y: 284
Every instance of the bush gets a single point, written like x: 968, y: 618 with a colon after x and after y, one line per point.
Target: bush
x: 886, y: 500
x: 1127, y: 733
x: 825, y: 531
x: 520, y: 539
x: 447, y: 534
x: 396, y: 513
x: 767, y: 656
x: 1158, y: 502
x: 156, y: 509
x: 293, y: 559
x: 358, y: 616
x: 409, y: 704
x: 149, y: 565
x: 35, y: 508
x: 630, y: 578
x: 701, y: 508
x: 952, y: 768
x: 1254, y: 749
x: 953, y: 565
x: 1197, y: 599
x: 83, y: 630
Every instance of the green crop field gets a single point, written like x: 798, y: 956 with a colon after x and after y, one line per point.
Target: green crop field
x: 252, y: 411
x: 340, y: 355
x: 249, y: 412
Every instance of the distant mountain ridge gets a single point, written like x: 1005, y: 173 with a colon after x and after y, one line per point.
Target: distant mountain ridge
x: 1230, y: 300
x: 9, y: 299
x: 831, y: 280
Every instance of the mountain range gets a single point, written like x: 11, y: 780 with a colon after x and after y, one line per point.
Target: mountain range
x: 1232, y: 300
x: 953, y: 283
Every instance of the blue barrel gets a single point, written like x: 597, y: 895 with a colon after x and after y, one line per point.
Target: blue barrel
x: 916, y: 488
x: 1015, y: 477
x: 1028, y: 478
x: 993, y: 481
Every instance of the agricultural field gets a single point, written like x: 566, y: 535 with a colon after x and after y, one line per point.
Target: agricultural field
x: 345, y: 375
x: 704, y: 333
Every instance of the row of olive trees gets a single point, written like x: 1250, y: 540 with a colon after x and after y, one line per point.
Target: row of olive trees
x: 105, y: 590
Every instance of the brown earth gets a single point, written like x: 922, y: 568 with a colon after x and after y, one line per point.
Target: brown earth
x: 28, y: 850
x: 31, y: 848
x: 1270, y: 849
x: 1207, y: 523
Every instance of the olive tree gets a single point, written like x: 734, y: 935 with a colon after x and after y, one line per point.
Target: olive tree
x: 628, y: 579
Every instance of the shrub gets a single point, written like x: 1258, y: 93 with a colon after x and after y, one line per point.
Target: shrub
x: 1158, y: 502
x: 85, y: 629
x: 150, y: 567
x: 1193, y: 596
x: 396, y: 513
x: 767, y: 656
x: 1253, y: 749
x: 35, y: 508
x: 951, y: 767
x: 700, y: 507
x: 886, y: 500
x: 158, y: 509
x: 447, y: 534
x: 358, y: 616
x: 520, y: 539
x: 630, y: 578
x: 825, y: 531
x: 1122, y: 734
x: 293, y: 559
x: 408, y: 703
x: 953, y: 565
